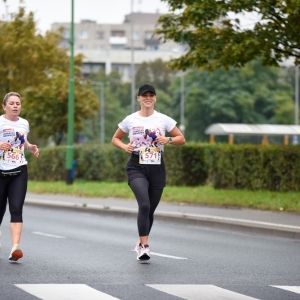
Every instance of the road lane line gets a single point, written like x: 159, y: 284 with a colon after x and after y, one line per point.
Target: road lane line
x: 199, y: 292
x: 48, y: 234
x: 168, y: 256
x: 294, y: 289
x: 164, y: 255
x: 64, y: 292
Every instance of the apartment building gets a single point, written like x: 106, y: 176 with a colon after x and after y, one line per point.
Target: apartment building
x: 109, y: 47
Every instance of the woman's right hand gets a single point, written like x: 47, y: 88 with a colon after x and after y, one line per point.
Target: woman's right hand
x: 5, y: 146
x: 129, y: 147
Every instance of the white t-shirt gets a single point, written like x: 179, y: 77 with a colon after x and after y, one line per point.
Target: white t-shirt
x: 15, y: 133
x: 144, y: 130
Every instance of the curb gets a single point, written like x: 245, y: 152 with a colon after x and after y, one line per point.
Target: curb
x: 223, y: 223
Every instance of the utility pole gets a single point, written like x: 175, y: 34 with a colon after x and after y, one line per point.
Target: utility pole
x: 133, y: 98
x: 70, y: 148
x: 295, y: 137
x: 6, y: 10
x: 182, y: 99
x: 182, y: 102
x: 102, y: 110
x: 295, y: 141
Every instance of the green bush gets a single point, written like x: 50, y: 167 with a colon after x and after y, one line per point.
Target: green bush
x: 49, y: 166
x: 252, y: 167
x: 184, y: 165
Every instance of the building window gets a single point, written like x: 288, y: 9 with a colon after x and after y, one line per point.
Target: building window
x: 83, y: 34
x: 149, y: 35
x: 66, y: 34
x: 135, y: 35
x: 99, y: 47
x: 64, y: 44
x: 100, y: 35
x: 117, y: 47
x: 121, y: 69
x: 82, y: 47
x: 119, y: 33
x: 152, y: 48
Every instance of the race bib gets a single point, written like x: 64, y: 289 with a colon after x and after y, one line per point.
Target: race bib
x: 150, y: 155
x: 13, y: 156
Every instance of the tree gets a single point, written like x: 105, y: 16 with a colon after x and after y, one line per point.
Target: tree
x: 252, y: 94
x: 34, y: 66
x: 216, y: 40
x: 46, y: 106
x: 156, y: 72
x: 117, y: 106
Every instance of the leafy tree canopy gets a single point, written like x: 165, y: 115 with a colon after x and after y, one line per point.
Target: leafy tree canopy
x: 156, y: 72
x: 34, y: 66
x: 117, y: 105
x: 252, y: 94
x: 216, y: 37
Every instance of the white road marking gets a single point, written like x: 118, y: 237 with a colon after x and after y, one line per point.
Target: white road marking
x: 64, y: 292
x: 199, y: 292
x: 294, y: 289
x: 48, y: 234
x: 164, y: 255
x: 184, y: 291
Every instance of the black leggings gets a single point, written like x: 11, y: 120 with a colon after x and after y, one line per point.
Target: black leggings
x: 148, y: 200
x: 14, y: 190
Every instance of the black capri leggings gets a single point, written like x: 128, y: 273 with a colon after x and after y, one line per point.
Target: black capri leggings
x: 14, y: 190
x: 147, y: 183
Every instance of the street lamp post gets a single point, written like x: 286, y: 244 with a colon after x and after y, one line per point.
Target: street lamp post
x: 102, y: 110
x: 295, y: 141
x: 182, y: 100
x: 6, y: 10
x: 70, y: 148
x: 297, y: 95
x: 132, y: 64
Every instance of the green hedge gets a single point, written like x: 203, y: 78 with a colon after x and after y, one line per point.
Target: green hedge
x: 184, y: 165
x: 94, y: 163
x: 252, y: 167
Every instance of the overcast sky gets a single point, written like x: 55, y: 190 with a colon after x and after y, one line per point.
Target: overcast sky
x: 103, y: 11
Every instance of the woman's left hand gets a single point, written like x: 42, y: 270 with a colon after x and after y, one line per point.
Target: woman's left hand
x: 162, y: 140
x: 33, y: 149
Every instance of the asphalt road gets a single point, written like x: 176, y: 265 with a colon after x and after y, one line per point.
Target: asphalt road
x: 77, y: 255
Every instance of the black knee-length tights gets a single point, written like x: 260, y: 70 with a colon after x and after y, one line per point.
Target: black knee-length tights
x: 148, y: 200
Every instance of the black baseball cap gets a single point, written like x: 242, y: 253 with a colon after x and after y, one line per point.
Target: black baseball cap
x: 146, y: 88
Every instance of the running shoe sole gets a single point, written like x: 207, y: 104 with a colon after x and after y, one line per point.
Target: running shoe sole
x: 145, y: 256
x: 17, y: 254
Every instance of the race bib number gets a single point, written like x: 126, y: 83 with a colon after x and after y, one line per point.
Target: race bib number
x: 13, y: 156
x: 150, y: 155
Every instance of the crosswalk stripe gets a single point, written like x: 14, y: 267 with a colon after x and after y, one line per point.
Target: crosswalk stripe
x: 199, y: 292
x: 184, y: 291
x: 294, y: 289
x: 64, y: 292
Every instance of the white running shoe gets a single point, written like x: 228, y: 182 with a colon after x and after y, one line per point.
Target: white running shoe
x: 138, y: 249
x: 15, y: 254
x: 144, y: 252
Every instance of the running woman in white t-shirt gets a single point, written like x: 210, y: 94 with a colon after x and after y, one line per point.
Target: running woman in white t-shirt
x: 13, y: 167
x: 145, y: 169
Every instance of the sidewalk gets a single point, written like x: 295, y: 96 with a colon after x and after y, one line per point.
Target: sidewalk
x: 279, y: 224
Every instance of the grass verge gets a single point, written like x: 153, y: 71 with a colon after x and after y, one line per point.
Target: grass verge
x: 202, y: 195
